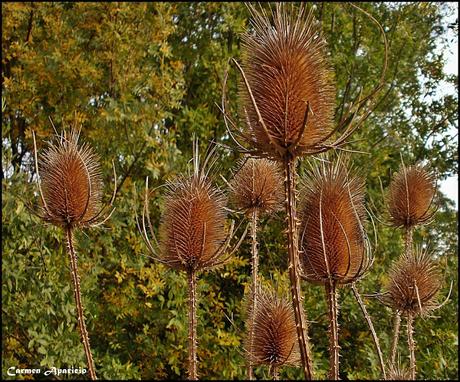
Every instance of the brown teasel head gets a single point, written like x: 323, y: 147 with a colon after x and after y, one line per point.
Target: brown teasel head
x: 257, y: 186
x: 333, y: 243
x: 192, y: 231
x: 413, y: 285
x: 398, y: 373
x: 410, y: 196
x: 293, y: 91
x: 275, y: 336
x: 71, y: 183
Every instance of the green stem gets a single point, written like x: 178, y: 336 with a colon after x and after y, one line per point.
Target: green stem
x: 294, y: 267
x: 77, y: 294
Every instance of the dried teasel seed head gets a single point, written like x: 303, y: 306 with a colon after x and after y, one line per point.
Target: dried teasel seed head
x: 410, y: 196
x: 71, y: 182
x: 275, y: 336
x: 413, y: 285
x: 192, y: 231
x: 333, y: 242
x: 258, y: 185
x: 398, y: 373
x: 286, y: 66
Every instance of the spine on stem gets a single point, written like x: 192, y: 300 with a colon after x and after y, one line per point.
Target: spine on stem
x: 255, y: 269
x: 293, y: 252
x: 192, y: 361
x: 333, y: 308
x: 77, y: 294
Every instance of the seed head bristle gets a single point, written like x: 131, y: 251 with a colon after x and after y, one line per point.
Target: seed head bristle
x: 275, y: 336
x: 71, y: 182
x: 332, y: 213
x: 398, y: 373
x: 410, y: 196
x: 193, y: 224
x: 285, y: 63
x: 258, y: 185
x: 414, y: 283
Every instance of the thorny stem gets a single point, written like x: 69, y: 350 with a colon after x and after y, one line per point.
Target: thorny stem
x: 77, y: 294
x: 371, y: 328
x: 331, y: 294
x: 394, y: 345
x: 408, y: 241
x: 293, y: 251
x: 274, y: 372
x: 411, y: 343
x: 255, y: 268
x: 192, y: 374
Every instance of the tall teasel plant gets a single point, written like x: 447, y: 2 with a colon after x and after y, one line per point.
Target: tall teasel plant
x: 334, y: 245
x: 287, y: 96
x: 70, y: 186
x: 192, y: 235
x: 412, y: 290
x: 275, y: 339
x: 256, y: 189
x: 409, y: 202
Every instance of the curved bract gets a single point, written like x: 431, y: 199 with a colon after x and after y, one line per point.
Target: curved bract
x: 333, y: 242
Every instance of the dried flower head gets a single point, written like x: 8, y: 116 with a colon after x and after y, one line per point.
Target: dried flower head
x: 258, y: 185
x: 193, y: 228
x: 333, y: 241
x: 414, y: 283
x: 288, y: 92
x: 410, y: 196
x: 398, y: 373
x: 71, y: 182
x: 275, y: 336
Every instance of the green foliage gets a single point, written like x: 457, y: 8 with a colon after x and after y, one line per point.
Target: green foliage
x: 142, y: 79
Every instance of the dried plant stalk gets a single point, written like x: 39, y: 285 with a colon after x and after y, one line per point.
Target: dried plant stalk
x: 334, y: 244
x: 371, y: 328
x: 411, y: 343
x: 71, y: 191
x: 394, y: 343
x: 256, y: 189
x: 193, y: 236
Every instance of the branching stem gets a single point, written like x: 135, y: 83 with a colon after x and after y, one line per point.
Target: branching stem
x: 77, y: 294
x: 293, y: 252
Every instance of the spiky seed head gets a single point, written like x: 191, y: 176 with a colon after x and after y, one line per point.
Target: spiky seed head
x: 258, y: 185
x: 333, y: 241
x: 410, y: 196
x: 275, y: 336
x: 285, y: 62
x: 193, y: 224
x: 398, y: 373
x: 414, y: 283
x: 71, y: 182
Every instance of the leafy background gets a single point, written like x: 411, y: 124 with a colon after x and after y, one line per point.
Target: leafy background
x: 142, y: 79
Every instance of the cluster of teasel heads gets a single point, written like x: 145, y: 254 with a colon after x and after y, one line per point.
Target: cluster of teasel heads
x: 415, y: 280
x: 71, y: 198
x: 287, y: 95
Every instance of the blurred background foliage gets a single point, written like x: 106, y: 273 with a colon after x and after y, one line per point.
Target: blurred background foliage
x: 142, y: 79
